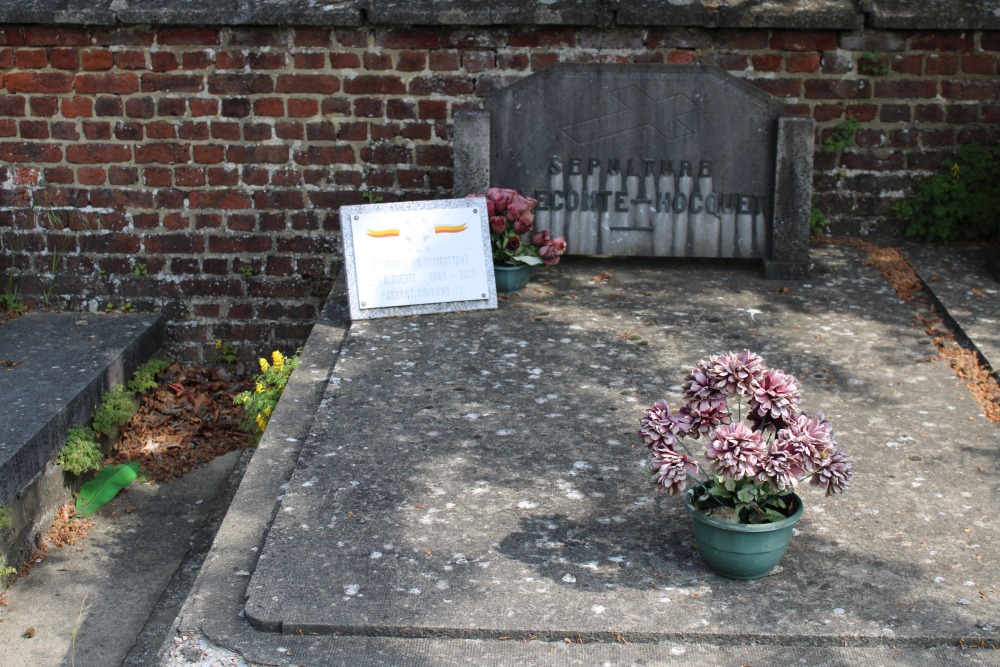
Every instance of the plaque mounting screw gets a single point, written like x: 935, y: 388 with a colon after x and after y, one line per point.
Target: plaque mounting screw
x: 356, y: 217
x: 363, y: 304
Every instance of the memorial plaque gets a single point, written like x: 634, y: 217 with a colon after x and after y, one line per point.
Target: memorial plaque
x: 659, y: 160
x: 417, y: 257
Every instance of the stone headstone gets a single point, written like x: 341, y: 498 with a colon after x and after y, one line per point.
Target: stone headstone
x: 655, y: 160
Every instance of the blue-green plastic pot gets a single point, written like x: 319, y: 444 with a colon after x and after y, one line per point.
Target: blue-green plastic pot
x: 742, y: 551
x: 511, y: 278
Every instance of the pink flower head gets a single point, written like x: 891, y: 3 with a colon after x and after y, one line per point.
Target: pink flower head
x: 498, y: 224
x: 541, y: 238
x: 736, y: 373
x: 781, y: 468
x: 519, y: 212
x: 705, y: 416
x: 672, y: 470
x: 660, y: 429
x: 736, y: 451
x: 835, y: 474
x: 500, y: 198
x: 552, y: 251
x: 701, y: 385
x: 512, y: 244
x: 776, y: 397
x: 812, y: 438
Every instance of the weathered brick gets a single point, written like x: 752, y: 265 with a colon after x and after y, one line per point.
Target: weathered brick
x: 160, y: 177
x: 153, y: 82
x: 962, y: 114
x: 128, y: 131
x: 106, y: 82
x: 123, y: 175
x: 979, y: 64
x: 442, y: 84
x: 386, y: 154
x: 344, y: 61
x: 941, y: 64
x: 187, y: 36
x: 308, y: 83
x: 991, y: 114
x: 163, y: 153
x: 54, y: 35
x: 226, y: 131
x: 906, y: 89
x: 161, y: 130
x: 220, y: 199
x: 59, y: 175
x: 278, y: 199
x: 203, y: 106
x: 254, y: 176
x: 544, y: 60
x: 676, y: 58
x: 171, y: 106
x: 43, y: 106
x: 97, y: 59
x: 120, y: 198
x: 269, y: 106
x: 108, y: 106
x: 235, y: 107
x: 257, y: 154
x: 289, y: 130
x: 942, y: 41
x: 33, y: 129
x: 95, y: 153
x: 230, y: 60
x: 310, y: 60
x: 267, y: 60
x: 779, y: 87
x: 317, y: 155
x: 411, y: 61
x: 74, y: 107
x: 369, y: 107
x: 256, y: 132
x: 302, y: 108
x: 130, y: 59
x: 195, y: 60
x: 119, y: 244
x: 384, y: 131
x: 239, y: 244
x: 240, y: 84
x: 31, y: 58
x: 371, y: 84
x: 404, y: 38
x: 140, y: 107
x: 208, y: 154
x: 40, y: 82
x: 827, y: 112
x: 58, y: 58
x: 796, y: 40
x: 895, y: 113
x: 846, y: 89
x: 863, y: 112
x: 163, y: 61
x: 12, y: 105
x: 208, y: 221
x: 970, y: 89
x: 377, y: 60
x: 444, y: 60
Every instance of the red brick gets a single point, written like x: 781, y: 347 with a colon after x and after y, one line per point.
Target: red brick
x: 121, y: 198
x: 357, y: 38
x: 385, y: 154
x: 267, y: 60
x: 73, y: 107
x: 681, y: 58
x: 239, y: 244
x: 400, y: 109
x: 130, y: 131
x: 308, y: 83
x: 731, y: 62
x: 8, y: 128
x: 322, y: 155
x: 164, y: 153
x: 405, y: 38
x: 119, y: 244
x: 978, y: 64
x: 845, y: 89
x: 140, y: 107
x: 123, y: 175
x: 59, y: 175
x: 220, y: 199
x: 130, y: 59
x: 196, y: 60
x: 344, y: 61
x: 432, y: 109
x: 942, y: 138
x: 235, y: 107
x: 377, y: 61
x: 369, y: 107
x: 827, y: 112
x: 286, y: 177
x: 803, y: 62
x: 766, y: 62
x: 226, y: 131
x: 446, y: 60
x: 906, y: 89
x: 257, y: 37
x: 941, y: 41
x: 163, y: 61
x: 442, y: 84
x: 929, y: 113
x: 411, y: 61
x: 352, y: 132
x: 863, y: 112
x: 201, y: 106
x: 384, y: 131
x: 108, y: 106
x: 380, y: 178
x: 941, y: 64
x: 171, y: 106
x: 162, y: 244
x: 39, y: 82
x: 97, y: 59
x: 991, y: 114
x: 779, y: 87
x: 94, y: 153
x: 62, y: 59
x: 33, y: 129
x: 540, y: 61
x: 987, y: 90
x: 42, y: 35
x: 283, y: 200
x: 256, y: 132
x: 800, y: 40
x: 990, y: 40
x: 478, y: 61
x: 269, y: 106
x: 742, y: 40
x: 417, y: 131
x: 230, y: 60
x: 240, y: 84
x: 184, y: 36
x: 254, y: 176
x: 271, y: 221
x: 434, y: 156
x: 91, y: 176
x: 299, y: 108
x: 318, y: 37
x: 895, y: 113
x: 962, y: 114
x: 12, y: 105
x: 223, y: 176
x: 335, y: 106
x: 43, y: 106
x: 443, y: 181
x: 172, y: 83
x: 118, y: 84
x: 908, y: 64
x: 313, y: 60
x: 371, y: 84
x: 257, y: 154
x: 514, y: 61
x: 208, y: 154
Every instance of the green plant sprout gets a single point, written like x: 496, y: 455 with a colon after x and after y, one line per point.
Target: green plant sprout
x: 115, y: 410
x: 246, y: 271
x: 227, y: 353
x: 818, y: 222
x: 870, y: 62
x: 5, y: 571
x: 843, y: 135
x: 146, y: 376
x: 959, y: 202
x: 140, y: 270
x: 81, y: 453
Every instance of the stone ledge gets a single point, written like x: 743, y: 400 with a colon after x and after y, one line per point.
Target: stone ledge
x: 783, y: 14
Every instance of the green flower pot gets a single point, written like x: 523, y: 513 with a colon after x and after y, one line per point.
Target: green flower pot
x: 741, y: 551
x: 511, y: 277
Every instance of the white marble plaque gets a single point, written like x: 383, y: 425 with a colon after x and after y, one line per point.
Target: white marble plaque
x: 417, y: 257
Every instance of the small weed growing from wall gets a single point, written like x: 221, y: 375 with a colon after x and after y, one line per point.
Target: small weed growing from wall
x: 871, y: 63
x: 960, y: 202
x: 82, y: 452
x: 818, y: 222
x: 145, y: 377
x: 226, y: 353
x: 116, y: 408
x: 4, y: 570
x: 843, y: 136
x: 259, y: 404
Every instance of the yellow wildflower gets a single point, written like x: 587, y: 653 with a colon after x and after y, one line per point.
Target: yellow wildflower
x: 267, y: 410
x: 279, y: 361
x: 956, y: 171
x: 261, y: 423
x: 218, y: 344
x: 260, y: 388
x: 263, y: 364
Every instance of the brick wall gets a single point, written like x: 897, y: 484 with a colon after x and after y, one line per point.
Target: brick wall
x: 200, y: 170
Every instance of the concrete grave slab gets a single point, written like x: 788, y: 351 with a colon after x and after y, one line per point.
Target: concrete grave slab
x: 651, y: 160
x: 476, y: 475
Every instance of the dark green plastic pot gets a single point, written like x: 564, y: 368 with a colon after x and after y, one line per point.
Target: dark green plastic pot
x: 511, y: 278
x: 742, y: 551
